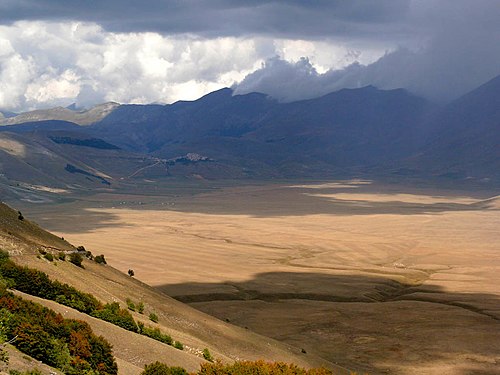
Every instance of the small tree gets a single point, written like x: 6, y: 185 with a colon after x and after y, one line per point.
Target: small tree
x: 20, y: 216
x: 76, y: 259
x: 131, y: 273
x: 100, y: 259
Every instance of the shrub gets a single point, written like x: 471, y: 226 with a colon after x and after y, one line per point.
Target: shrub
x: 80, y: 248
x: 178, y: 345
x: 76, y: 259
x: 207, y: 355
x: 49, y: 257
x: 100, y: 259
x: 130, y: 304
x: 259, y: 367
x: 20, y: 216
x: 114, y: 314
x: 44, y: 335
x: 153, y: 317
x: 131, y: 273
x: 158, y: 368
x: 140, y: 307
x: 61, y: 256
x: 157, y: 335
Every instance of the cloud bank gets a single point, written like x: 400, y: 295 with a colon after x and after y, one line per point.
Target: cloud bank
x: 46, y: 64
x: 56, y: 53
x: 462, y: 51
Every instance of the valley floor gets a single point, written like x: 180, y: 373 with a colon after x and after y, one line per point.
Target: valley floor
x: 384, y: 279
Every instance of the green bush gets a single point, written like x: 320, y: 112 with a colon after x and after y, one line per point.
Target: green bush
x: 61, y: 256
x: 178, y: 345
x: 76, y: 259
x: 158, y: 368
x: 207, y: 355
x: 49, y: 257
x: 157, y: 335
x: 44, y: 335
x: 140, y: 307
x: 100, y: 259
x: 130, y: 304
x: 114, y: 314
x: 153, y: 317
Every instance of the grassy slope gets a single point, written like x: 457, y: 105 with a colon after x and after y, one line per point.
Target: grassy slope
x: 194, y: 329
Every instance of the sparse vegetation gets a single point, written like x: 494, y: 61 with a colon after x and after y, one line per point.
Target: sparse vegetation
x: 153, y: 317
x: 178, y: 345
x: 237, y: 368
x: 157, y: 335
x: 130, y: 304
x: 258, y: 368
x: 49, y: 257
x: 207, y: 355
x: 111, y: 312
x: 158, y: 368
x: 140, y: 307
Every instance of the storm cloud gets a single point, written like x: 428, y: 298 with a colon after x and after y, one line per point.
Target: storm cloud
x: 461, y: 50
x: 215, y: 18
x: 55, y: 53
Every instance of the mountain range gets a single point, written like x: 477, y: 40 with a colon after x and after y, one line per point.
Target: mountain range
x: 363, y: 132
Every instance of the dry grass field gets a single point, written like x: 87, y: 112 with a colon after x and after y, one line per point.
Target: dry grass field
x: 383, y: 279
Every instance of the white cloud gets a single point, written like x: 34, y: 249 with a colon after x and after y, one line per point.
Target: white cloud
x: 44, y: 64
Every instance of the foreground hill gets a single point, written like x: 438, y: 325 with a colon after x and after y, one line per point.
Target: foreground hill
x: 195, y: 330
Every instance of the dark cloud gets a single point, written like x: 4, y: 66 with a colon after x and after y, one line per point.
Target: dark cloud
x: 436, y: 48
x: 460, y: 50
x: 304, y: 19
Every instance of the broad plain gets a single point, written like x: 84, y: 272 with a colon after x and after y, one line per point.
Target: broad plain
x: 377, y: 278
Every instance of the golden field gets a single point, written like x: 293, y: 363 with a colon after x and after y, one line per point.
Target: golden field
x: 376, y: 278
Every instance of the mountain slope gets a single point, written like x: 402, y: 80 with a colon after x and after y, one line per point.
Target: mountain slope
x: 464, y: 138
x: 83, y: 117
x: 346, y: 129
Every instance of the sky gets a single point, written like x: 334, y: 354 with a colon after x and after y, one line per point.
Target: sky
x: 59, y: 52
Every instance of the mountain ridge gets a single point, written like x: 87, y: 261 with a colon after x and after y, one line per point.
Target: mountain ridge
x: 348, y: 133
